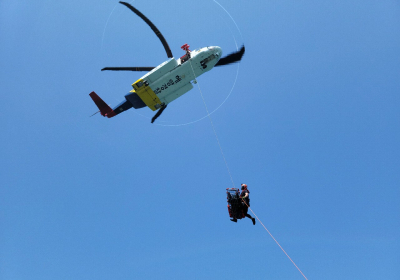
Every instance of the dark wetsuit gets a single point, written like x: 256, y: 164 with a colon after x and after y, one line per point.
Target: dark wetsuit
x: 246, y: 205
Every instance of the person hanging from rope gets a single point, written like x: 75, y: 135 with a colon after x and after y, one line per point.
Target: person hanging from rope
x: 246, y: 202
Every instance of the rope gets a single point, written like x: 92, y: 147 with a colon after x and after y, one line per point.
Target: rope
x: 275, y: 240
x: 229, y: 172
x: 212, y: 124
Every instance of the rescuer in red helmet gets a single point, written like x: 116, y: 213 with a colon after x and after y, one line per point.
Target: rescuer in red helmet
x: 246, y: 202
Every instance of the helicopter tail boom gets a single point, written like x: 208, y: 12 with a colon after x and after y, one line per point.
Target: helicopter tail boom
x: 105, y: 110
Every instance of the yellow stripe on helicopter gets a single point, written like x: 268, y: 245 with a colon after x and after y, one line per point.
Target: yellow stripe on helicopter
x: 146, y: 94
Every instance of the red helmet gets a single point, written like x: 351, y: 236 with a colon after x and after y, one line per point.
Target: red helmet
x: 244, y: 187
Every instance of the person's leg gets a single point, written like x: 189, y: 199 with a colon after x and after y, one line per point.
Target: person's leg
x: 245, y: 210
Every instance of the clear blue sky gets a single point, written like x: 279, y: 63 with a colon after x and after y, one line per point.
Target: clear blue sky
x: 312, y: 126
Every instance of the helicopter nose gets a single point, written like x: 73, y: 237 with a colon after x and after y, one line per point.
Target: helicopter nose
x: 218, y: 51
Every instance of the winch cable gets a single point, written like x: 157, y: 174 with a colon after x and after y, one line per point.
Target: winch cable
x: 212, y: 124
x: 230, y: 175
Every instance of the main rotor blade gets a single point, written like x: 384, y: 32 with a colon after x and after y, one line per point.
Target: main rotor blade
x: 231, y: 58
x: 128, y: 68
x: 152, y: 26
x: 158, y: 113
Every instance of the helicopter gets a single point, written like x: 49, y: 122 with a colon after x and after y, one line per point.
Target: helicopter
x: 169, y: 80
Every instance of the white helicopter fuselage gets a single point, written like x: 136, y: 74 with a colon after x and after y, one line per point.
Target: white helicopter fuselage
x: 174, y: 77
